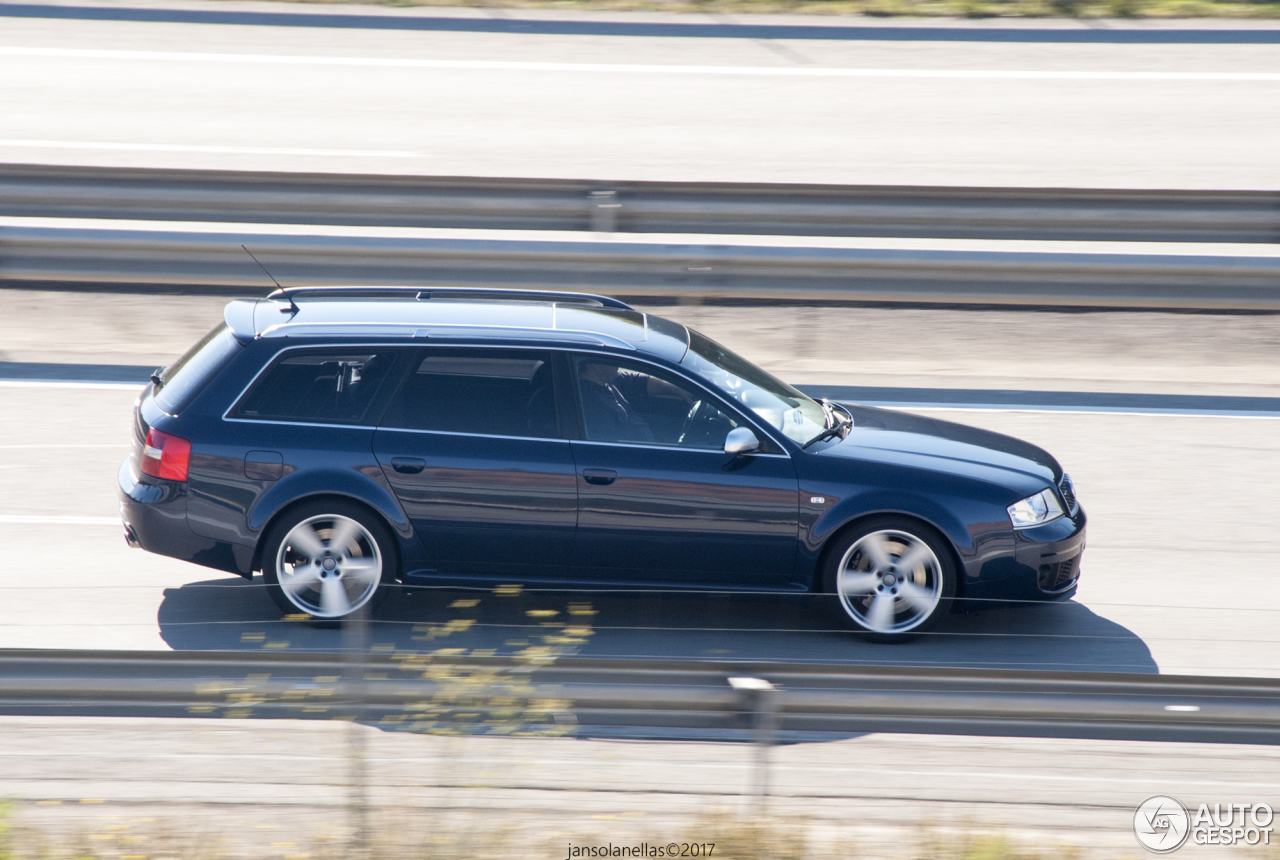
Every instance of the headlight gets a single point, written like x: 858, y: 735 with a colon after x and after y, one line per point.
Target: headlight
x: 1035, y: 510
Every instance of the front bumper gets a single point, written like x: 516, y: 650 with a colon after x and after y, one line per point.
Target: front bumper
x: 1044, y: 565
x: 154, y: 516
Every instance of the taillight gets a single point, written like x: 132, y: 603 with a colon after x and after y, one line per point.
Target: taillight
x: 165, y: 456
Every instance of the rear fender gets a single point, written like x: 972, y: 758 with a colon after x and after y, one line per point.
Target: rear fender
x: 330, y: 482
x: 352, y: 484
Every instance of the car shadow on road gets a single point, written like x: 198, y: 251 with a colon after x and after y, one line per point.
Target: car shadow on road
x: 234, y: 614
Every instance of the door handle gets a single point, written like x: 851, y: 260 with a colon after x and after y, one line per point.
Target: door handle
x: 599, y: 476
x: 408, y: 465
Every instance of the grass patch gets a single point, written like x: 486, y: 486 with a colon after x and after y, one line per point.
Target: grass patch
x: 989, y: 846
x: 441, y: 834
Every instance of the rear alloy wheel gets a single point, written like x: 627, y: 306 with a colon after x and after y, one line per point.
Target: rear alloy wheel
x: 327, y: 560
x: 893, y: 578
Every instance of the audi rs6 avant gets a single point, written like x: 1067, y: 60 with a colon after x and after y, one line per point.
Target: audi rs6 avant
x: 342, y: 439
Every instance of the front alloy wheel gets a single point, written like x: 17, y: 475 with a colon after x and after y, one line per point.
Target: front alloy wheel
x: 893, y: 579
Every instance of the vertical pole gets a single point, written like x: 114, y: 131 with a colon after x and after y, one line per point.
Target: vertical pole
x: 355, y: 630
x: 604, y: 207
x: 760, y: 701
x: 766, y: 723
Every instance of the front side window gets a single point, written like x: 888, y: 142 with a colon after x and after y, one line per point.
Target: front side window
x: 318, y: 386
x: 484, y: 392
x: 787, y: 409
x: 624, y: 401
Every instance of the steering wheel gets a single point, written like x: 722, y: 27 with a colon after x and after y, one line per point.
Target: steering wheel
x: 689, y: 420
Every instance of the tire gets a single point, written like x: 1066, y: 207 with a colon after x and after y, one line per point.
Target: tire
x: 327, y: 559
x: 879, y: 597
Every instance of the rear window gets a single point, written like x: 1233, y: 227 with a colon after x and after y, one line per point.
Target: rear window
x: 317, y: 387
x: 498, y: 393
x: 186, y: 377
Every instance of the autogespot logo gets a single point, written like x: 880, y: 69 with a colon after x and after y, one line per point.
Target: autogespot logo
x: 1161, y: 824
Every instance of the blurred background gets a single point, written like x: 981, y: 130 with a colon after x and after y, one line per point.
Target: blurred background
x: 1059, y: 221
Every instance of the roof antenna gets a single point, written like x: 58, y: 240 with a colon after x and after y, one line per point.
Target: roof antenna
x: 292, y: 307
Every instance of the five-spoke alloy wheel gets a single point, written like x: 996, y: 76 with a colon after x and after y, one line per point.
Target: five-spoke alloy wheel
x: 893, y: 578
x: 327, y: 560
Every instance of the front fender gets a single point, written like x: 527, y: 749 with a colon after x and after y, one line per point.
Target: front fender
x: 977, y: 530
x: 880, y: 501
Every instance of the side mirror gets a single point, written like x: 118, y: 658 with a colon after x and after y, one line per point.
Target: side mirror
x: 741, y: 441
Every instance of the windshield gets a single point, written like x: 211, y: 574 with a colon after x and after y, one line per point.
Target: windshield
x: 798, y: 416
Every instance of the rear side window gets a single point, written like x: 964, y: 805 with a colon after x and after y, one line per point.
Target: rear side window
x: 490, y: 392
x: 186, y: 377
x: 317, y: 387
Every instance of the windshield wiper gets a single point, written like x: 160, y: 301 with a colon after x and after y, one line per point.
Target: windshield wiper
x: 837, y: 426
x: 825, y: 434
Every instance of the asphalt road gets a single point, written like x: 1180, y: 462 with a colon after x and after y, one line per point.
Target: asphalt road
x: 273, y: 788
x: 1179, y: 576
x: 282, y: 86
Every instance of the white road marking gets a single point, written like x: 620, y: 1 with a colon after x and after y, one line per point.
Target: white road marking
x: 222, y: 150
x: 53, y: 383
x: 61, y: 447
x: 634, y: 68
x: 699, y: 242
x: 40, y: 520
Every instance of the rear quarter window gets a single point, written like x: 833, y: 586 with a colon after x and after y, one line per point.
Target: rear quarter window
x: 187, y: 377
x: 331, y: 386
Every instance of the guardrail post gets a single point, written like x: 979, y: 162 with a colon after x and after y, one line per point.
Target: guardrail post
x: 760, y: 701
x: 604, y: 211
x: 355, y: 634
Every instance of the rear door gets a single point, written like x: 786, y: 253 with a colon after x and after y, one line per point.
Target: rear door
x: 473, y: 447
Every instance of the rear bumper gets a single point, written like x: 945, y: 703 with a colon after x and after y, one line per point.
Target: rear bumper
x: 154, y: 516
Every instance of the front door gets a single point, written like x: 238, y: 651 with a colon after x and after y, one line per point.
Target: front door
x: 658, y: 498
x: 472, y: 446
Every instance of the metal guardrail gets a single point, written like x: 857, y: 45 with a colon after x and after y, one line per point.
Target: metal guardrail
x: 641, y: 207
x: 154, y: 255
x: 689, y: 696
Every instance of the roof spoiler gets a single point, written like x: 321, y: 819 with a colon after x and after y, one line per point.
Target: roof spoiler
x: 289, y: 294
x: 239, y: 316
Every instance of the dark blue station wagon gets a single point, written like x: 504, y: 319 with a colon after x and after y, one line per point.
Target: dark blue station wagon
x: 342, y: 439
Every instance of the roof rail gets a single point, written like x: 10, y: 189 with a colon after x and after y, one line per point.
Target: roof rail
x: 444, y: 293
x: 524, y: 295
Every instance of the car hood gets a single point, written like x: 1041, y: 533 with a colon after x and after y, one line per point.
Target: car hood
x: 900, y: 432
